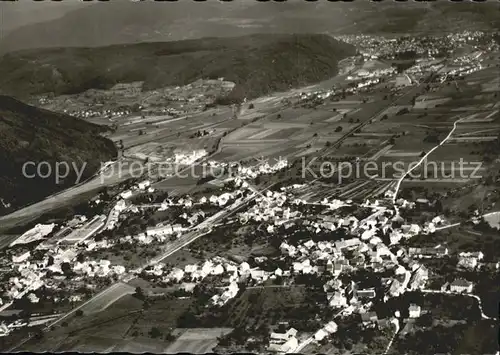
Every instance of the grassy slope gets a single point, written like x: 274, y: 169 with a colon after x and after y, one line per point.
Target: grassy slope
x: 31, y: 134
x: 259, y: 64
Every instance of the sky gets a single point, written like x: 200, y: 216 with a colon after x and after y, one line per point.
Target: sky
x: 23, y: 12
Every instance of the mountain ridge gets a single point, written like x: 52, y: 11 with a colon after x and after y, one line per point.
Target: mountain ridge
x: 258, y: 64
x: 110, y: 23
x: 30, y: 134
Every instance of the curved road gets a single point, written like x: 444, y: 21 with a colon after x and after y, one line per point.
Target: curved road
x: 398, y: 185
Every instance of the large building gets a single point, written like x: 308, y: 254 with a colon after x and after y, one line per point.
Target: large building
x: 86, y: 231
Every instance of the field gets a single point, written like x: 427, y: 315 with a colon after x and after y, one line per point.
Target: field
x: 123, y: 326
x: 270, y: 305
x: 463, y: 239
x: 493, y: 220
x: 158, y: 139
x: 470, y: 338
x: 107, y: 299
x: 197, y: 340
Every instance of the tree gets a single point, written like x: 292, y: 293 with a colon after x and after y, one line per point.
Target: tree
x: 139, y: 293
x: 66, y: 268
x: 155, y: 333
x: 169, y: 337
x: 80, y: 258
x: 79, y: 313
x: 338, y: 129
x: 250, y: 107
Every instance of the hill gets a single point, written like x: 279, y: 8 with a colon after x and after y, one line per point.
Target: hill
x: 29, y: 134
x: 118, y: 22
x: 258, y: 64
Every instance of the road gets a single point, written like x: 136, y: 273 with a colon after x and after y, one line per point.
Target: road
x: 480, y: 304
x: 309, y: 340
x: 396, y: 331
x: 400, y: 180
x: 459, y: 223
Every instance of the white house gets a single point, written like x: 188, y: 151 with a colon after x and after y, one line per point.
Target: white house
x: 283, y: 337
x: 414, y: 311
x: 144, y: 185
x: 21, y: 258
x: 461, y: 285
x: 338, y: 300
x: 320, y: 335
x: 126, y: 194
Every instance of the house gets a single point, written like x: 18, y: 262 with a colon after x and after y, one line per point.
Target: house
x: 368, y: 293
x: 467, y: 262
x: 320, y: 335
x: 438, y: 251
x: 461, y: 286
x: 369, y: 318
x: 337, y: 269
x: 396, y: 288
x: 281, y: 338
x: 126, y: 194
x: 476, y: 255
x: 423, y: 201
x: 287, y: 347
x: 337, y: 300
x: 16, y: 259
x: 144, y: 185
x: 414, y: 311
x: 33, y: 298
x: 4, y: 330
x: 419, y: 278
x: 347, y: 243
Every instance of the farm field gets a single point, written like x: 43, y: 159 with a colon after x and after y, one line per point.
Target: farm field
x: 123, y: 326
x: 258, y: 305
x: 107, y: 299
x: 196, y: 340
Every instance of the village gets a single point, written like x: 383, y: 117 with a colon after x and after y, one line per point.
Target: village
x: 281, y: 264
x: 323, y: 240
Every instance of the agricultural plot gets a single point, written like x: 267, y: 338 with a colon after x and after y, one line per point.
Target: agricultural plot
x: 285, y: 133
x: 493, y: 220
x: 347, y: 151
x: 197, y: 340
x: 400, y: 153
x: 454, y: 151
x: 257, y: 306
x: 242, y: 133
x: 364, y: 189
x: 250, y: 150
x: 180, y: 184
x: 106, y: 299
